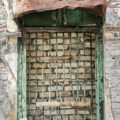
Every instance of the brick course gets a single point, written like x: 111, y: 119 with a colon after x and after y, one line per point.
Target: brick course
x: 53, y: 58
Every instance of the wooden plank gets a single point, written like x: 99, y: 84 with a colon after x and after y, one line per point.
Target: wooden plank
x: 24, y: 89
x: 66, y: 58
x: 19, y: 115
x: 64, y: 104
x: 99, y: 77
x: 61, y: 29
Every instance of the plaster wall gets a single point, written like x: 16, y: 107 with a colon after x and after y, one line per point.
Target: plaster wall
x: 8, y: 63
x: 112, y: 61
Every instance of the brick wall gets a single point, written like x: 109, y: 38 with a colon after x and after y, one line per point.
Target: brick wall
x: 56, y: 73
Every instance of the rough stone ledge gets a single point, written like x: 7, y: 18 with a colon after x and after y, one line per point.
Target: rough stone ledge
x: 8, y: 34
x: 111, y: 28
x: 113, y: 39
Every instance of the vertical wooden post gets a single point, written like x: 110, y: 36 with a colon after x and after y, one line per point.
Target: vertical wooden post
x: 99, y: 77
x: 24, y: 80
x: 22, y: 105
x: 19, y: 86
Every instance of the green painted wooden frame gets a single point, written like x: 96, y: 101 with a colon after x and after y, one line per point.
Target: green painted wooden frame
x: 22, y: 104
x: 99, y: 77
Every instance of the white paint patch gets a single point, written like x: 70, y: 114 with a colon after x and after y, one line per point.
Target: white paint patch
x: 23, y: 119
x: 11, y: 25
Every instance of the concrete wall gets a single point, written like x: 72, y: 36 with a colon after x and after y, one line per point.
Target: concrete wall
x: 8, y: 62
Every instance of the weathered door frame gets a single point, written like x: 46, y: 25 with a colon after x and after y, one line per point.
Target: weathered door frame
x: 99, y: 77
x: 22, y: 103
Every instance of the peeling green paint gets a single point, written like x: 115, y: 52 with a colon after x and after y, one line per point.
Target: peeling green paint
x: 81, y: 18
x: 19, y: 80
x: 22, y: 108
x: 99, y: 77
x: 61, y: 17
x: 40, y: 19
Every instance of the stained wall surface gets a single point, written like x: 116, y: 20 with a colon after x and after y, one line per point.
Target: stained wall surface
x: 112, y: 61
x: 26, y: 6
x: 8, y: 70
x: 8, y: 62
